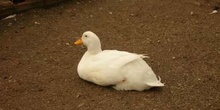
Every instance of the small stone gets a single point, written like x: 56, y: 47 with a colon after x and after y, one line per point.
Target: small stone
x: 132, y: 14
x: 213, y: 12
x: 67, y: 43
x: 78, y: 96
x: 110, y: 13
x: 9, y: 24
x: 37, y: 23
x: 9, y: 17
x: 80, y: 105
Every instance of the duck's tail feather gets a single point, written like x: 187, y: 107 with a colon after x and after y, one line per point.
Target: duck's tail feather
x: 156, y: 83
x: 144, y: 56
x: 159, y: 78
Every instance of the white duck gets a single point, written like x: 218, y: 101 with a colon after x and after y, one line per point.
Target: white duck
x: 123, y: 70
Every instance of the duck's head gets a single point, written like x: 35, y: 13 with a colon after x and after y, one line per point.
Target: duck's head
x: 91, y: 41
x: 88, y: 38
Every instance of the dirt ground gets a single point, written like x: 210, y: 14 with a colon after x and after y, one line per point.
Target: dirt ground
x: 38, y: 60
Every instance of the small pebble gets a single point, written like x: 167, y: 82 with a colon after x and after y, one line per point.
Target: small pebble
x: 9, y: 24
x: 37, y: 23
x: 9, y: 17
x: 132, y: 14
x: 213, y: 12
x: 80, y: 104
x: 78, y: 96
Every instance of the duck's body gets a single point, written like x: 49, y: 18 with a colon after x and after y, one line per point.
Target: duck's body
x: 123, y: 70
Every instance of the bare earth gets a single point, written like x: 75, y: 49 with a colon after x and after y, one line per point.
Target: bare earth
x: 38, y: 60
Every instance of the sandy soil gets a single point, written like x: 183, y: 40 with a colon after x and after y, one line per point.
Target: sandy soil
x: 38, y: 59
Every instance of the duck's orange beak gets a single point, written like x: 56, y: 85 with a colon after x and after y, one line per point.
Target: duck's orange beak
x: 79, y: 42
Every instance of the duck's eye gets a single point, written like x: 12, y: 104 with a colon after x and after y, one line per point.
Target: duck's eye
x: 86, y: 36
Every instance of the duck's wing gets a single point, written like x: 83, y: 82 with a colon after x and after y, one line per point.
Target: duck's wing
x: 118, y: 58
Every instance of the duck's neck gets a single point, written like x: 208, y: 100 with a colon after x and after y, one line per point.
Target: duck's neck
x: 94, y: 49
